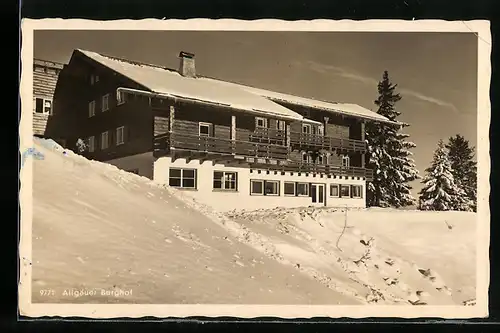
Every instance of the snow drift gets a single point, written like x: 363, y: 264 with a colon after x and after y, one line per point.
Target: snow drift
x: 102, y: 235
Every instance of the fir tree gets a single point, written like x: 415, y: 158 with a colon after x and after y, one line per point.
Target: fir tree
x: 464, y: 167
x: 440, y: 191
x: 389, y: 153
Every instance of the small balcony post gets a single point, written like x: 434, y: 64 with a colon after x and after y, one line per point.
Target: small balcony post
x: 233, y: 133
x: 363, y: 139
x: 171, y: 126
x: 288, y: 140
x: 172, y: 119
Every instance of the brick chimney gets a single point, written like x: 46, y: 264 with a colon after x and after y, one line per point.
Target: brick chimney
x: 187, y: 67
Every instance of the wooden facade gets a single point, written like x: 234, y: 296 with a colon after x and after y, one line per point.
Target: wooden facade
x: 142, y: 122
x: 45, y: 74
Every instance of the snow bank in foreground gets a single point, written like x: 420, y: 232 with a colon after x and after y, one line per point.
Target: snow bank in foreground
x: 386, y: 256
x: 101, y: 229
x: 102, y: 235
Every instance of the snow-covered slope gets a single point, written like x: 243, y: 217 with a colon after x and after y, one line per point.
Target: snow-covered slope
x: 96, y: 227
x: 99, y: 228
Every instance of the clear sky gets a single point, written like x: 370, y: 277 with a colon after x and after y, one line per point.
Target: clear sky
x: 436, y: 73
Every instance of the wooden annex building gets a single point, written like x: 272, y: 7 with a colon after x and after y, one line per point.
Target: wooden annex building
x: 228, y: 145
x: 45, y: 74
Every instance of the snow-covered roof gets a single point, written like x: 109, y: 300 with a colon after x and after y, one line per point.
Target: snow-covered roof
x: 164, y: 81
x: 340, y: 108
x: 237, y: 96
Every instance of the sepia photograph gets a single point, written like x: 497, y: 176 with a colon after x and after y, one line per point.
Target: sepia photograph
x: 336, y: 169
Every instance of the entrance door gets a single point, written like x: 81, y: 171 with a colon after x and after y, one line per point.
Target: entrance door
x: 318, y: 194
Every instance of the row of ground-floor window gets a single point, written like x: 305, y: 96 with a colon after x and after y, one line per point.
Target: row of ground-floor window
x: 228, y: 181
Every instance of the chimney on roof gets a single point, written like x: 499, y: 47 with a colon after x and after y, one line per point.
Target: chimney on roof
x: 187, y: 67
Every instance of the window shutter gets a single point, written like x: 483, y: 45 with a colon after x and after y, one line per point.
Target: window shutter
x: 352, y: 189
x: 340, y: 190
x: 296, y: 189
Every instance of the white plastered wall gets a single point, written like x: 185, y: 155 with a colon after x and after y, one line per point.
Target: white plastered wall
x: 241, y: 199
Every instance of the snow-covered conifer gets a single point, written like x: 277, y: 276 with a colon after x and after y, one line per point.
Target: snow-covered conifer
x: 389, y: 154
x: 440, y: 191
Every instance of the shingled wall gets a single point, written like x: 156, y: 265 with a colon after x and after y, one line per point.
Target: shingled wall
x: 45, y: 74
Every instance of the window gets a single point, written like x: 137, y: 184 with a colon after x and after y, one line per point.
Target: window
x: 104, y: 140
x: 289, y: 188
x: 120, y: 98
x: 260, y: 122
x: 91, y: 109
x: 94, y: 79
x: 47, y: 106
x: 345, y: 161
x: 306, y: 158
x: 43, y: 105
x: 272, y: 187
x: 91, y: 143
x: 321, y: 130
x: 357, y: 191
x: 257, y: 187
x: 225, y: 180
x: 183, y: 178
x: 280, y: 125
x: 306, y: 128
x: 345, y: 190
x: 105, y: 103
x: 264, y: 187
x: 320, y: 159
x: 204, y: 129
x: 303, y: 189
x: 334, y: 190
x: 120, y: 135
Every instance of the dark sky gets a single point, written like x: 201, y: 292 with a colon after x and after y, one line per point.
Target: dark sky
x: 436, y: 73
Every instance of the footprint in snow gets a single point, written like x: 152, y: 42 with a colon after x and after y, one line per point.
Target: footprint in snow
x: 239, y: 263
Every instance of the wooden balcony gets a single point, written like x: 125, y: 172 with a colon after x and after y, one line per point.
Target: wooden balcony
x: 304, y: 140
x: 269, y: 135
x: 218, y: 146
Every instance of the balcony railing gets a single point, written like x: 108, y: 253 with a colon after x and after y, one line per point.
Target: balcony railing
x: 208, y: 144
x: 331, y: 169
x: 325, y: 142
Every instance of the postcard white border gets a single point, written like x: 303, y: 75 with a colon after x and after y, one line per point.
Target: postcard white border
x: 479, y: 27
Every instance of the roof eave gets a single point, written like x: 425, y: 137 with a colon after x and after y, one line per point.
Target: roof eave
x: 200, y: 101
